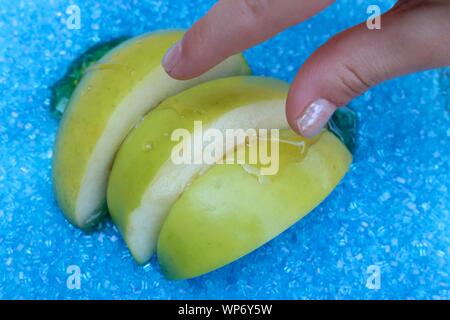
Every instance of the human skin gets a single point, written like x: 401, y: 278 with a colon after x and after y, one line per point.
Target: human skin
x: 414, y: 36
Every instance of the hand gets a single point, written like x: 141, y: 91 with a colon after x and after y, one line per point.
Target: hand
x: 414, y: 35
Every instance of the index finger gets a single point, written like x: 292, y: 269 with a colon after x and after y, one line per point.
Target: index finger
x: 232, y: 26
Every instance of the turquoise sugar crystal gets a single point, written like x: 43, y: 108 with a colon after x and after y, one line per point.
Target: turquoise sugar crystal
x: 343, y: 124
x: 63, y: 89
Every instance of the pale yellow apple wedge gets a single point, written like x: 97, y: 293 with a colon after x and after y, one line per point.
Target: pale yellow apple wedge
x: 114, y: 95
x: 145, y: 182
x: 231, y: 209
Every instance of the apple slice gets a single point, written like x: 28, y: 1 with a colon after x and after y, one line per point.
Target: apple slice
x: 113, y: 95
x: 145, y: 182
x: 230, y: 211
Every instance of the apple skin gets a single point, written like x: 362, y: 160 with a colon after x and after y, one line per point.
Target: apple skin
x: 227, y: 213
x: 115, y: 94
x: 136, y: 204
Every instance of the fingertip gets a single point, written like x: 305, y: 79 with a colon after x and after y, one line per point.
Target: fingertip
x: 171, y: 58
x: 315, y: 117
x: 312, y: 98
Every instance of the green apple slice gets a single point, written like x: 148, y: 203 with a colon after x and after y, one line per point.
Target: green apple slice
x: 145, y: 182
x: 113, y: 95
x: 230, y: 211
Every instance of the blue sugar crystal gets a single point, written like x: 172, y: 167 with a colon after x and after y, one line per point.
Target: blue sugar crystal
x: 391, y: 213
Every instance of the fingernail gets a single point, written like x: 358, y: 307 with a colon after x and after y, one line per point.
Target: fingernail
x: 315, y: 117
x: 172, y: 56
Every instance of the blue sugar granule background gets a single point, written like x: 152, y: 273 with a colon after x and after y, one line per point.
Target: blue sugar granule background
x: 391, y: 211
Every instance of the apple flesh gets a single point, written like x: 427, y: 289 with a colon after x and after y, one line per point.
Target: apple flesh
x: 110, y: 99
x: 145, y: 182
x: 229, y: 211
